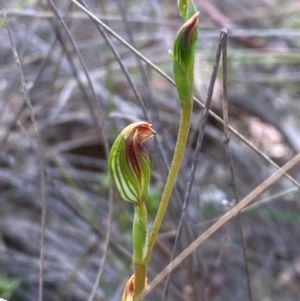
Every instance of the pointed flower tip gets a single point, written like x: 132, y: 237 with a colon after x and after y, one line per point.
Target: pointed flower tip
x: 141, y: 131
x: 189, y: 27
x: 129, y: 163
x: 185, y: 45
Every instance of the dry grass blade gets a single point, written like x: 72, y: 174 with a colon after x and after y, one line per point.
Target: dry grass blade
x: 104, y: 138
x: 230, y: 161
x: 106, y: 244
x: 40, y: 160
x: 272, y: 198
x: 224, y: 219
x: 123, y: 67
x: 23, y: 106
x: 86, y: 74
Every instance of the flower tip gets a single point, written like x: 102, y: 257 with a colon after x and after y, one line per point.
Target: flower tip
x: 145, y: 131
x: 190, y: 25
x: 185, y: 44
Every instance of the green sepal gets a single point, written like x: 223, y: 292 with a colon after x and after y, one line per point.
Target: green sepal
x: 183, y: 56
x: 182, y: 83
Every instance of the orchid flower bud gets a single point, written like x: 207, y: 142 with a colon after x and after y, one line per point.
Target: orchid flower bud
x: 129, y: 163
x: 183, y: 58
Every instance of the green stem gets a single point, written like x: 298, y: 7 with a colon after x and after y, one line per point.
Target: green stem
x: 139, y: 233
x: 184, y: 126
x: 141, y: 211
x: 140, y: 280
x: 139, y: 244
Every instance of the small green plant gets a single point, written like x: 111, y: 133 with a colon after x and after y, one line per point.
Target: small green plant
x: 7, y: 286
x: 129, y: 163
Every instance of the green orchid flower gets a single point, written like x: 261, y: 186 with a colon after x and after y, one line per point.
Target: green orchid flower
x: 129, y: 163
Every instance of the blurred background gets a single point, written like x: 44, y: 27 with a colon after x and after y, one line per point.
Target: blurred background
x: 61, y: 158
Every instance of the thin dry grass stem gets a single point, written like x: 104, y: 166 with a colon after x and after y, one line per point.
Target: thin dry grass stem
x: 91, y: 86
x: 121, y: 40
x: 195, y: 157
x: 101, y: 126
x: 77, y: 211
x: 272, y: 198
x: 65, y: 146
x: 92, y: 248
x: 251, y: 207
x: 68, y: 282
x: 83, y: 259
x: 82, y: 16
x: 142, y: 70
x: 217, y: 264
x: 265, y: 11
x: 106, y: 245
x: 169, y: 79
x: 230, y: 161
x: 75, y: 72
x: 224, y: 219
x: 24, y: 104
x: 40, y: 160
x: 119, y: 60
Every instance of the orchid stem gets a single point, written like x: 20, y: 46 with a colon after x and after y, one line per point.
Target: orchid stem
x: 186, y: 112
x: 139, y: 284
x: 139, y: 245
x: 183, y: 69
